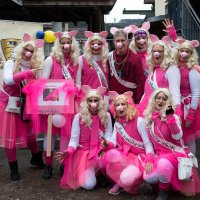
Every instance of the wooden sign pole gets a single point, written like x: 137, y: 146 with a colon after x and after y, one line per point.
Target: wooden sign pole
x: 49, y: 135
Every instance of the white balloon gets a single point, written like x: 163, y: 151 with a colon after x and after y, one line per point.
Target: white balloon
x: 58, y: 120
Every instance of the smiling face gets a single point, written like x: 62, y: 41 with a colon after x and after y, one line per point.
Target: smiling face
x: 121, y: 107
x: 96, y: 47
x: 121, y: 44
x: 93, y: 104
x: 158, y: 53
x: 65, y: 44
x: 27, y: 52
x: 160, y: 101
x: 184, y: 54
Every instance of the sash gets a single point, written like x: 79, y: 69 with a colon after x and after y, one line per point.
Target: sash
x: 153, y: 84
x: 186, y: 102
x: 164, y: 142
x: 113, y: 72
x: 65, y: 72
x: 127, y: 138
x: 100, y: 74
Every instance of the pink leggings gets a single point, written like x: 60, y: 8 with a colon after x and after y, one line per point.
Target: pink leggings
x: 162, y: 174
x: 11, y: 154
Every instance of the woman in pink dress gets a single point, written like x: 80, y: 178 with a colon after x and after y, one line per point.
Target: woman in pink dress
x: 93, y: 69
x: 14, y: 132
x: 61, y: 64
x: 134, y: 151
x: 141, y: 42
x: 165, y: 134
x: 90, y: 136
x: 187, y: 61
x: 162, y: 73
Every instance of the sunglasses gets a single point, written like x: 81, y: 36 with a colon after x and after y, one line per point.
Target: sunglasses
x: 140, y: 33
x: 26, y: 49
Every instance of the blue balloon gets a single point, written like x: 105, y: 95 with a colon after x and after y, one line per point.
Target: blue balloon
x: 40, y: 35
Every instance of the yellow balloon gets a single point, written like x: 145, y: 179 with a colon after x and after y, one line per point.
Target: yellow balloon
x: 49, y: 36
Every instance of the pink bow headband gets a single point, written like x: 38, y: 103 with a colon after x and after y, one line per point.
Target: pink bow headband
x: 89, y: 92
x: 38, y: 43
x: 113, y: 95
x: 194, y: 43
x: 145, y: 27
x: 60, y: 34
x: 96, y: 36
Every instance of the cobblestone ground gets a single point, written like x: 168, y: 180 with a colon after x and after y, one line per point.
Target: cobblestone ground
x: 32, y: 187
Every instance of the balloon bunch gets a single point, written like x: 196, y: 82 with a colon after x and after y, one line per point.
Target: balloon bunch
x: 48, y: 36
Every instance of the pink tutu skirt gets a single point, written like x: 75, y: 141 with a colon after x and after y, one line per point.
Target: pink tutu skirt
x: 126, y: 170
x: 75, y: 167
x: 193, y: 132
x: 187, y: 188
x: 13, y: 131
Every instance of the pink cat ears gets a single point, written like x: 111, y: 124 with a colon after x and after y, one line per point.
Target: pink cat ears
x: 113, y: 95
x: 60, y: 34
x: 194, y: 43
x: 89, y: 92
x: 38, y: 43
x: 127, y: 30
x: 145, y: 26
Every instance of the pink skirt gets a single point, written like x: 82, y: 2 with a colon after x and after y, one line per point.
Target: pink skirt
x: 116, y: 170
x: 75, y: 167
x: 187, y: 188
x: 13, y: 131
x: 193, y: 132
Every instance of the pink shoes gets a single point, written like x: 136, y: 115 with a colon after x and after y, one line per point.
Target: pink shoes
x: 115, y: 190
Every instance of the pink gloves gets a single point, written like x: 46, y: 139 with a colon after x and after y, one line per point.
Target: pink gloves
x: 27, y: 74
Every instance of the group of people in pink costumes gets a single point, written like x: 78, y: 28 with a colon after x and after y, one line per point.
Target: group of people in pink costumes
x: 151, y: 91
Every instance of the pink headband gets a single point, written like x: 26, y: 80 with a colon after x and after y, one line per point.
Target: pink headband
x: 194, y: 43
x: 126, y: 30
x: 38, y: 43
x: 99, y: 36
x: 114, y: 94
x: 166, y: 39
x: 66, y: 34
x: 145, y: 26
x: 94, y: 92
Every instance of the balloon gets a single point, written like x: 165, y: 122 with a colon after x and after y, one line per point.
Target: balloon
x: 112, y: 155
x: 129, y: 175
x: 40, y: 35
x: 49, y: 36
x: 58, y: 120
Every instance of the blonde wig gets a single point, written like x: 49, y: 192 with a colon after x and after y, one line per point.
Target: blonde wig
x: 37, y: 58
x: 85, y: 114
x: 131, y: 110
x: 104, y: 52
x: 57, y: 50
x: 167, y: 59
x: 193, y: 59
x: 152, y: 103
